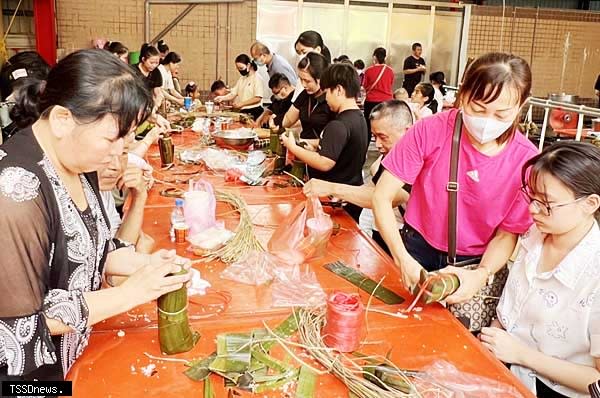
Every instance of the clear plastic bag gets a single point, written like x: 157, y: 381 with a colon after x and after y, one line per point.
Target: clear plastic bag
x: 444, y: 379
x: 303, y: 235
x: 296, y: 287
x: 219, y: 160
x: 256, y: 269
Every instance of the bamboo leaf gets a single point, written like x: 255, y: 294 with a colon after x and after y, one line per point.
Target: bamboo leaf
x: 208, y: 389
x: 174, y: 332
x: 306, y: 383
x: 389, y: 378
x: 439, y: 287
x: 233, y: 353
x: 199, y: 369
x: 284, y: 330
x: 273, y: 384
x: 363, y: 282
x: 269, y: 361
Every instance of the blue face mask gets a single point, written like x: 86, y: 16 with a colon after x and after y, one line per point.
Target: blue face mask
x: 258, y: 62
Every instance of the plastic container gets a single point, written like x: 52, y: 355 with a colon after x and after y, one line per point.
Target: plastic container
x: 177, y: 217
x: 134, y: 57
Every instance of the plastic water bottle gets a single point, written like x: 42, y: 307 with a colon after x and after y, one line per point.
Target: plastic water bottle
x: 176, y: 217
x: 362, y: 95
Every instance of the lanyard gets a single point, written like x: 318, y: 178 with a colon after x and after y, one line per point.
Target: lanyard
x: 310, y: 111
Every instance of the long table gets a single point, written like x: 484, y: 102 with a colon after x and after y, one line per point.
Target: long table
x: 121, y: 347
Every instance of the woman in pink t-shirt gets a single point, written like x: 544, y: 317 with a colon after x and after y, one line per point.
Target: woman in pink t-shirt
x: 490, y: 212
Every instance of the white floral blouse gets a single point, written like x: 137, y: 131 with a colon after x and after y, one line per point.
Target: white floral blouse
x: 556, y: 312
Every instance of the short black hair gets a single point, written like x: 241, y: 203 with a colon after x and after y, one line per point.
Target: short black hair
x: 277, y: 79
x: 359, y: 64
x: 416, y: 45
x: 217, y: 85
x: 380, y: 54
x: 343, y: 75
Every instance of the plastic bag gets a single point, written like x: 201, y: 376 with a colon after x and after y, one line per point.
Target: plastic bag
x: 210, y: 239
x: 200, y: 206
x: 444, y: 376
x: 294, y: 287
x: 219, y: 160
x: 303, y: 235
x: 256, y: 269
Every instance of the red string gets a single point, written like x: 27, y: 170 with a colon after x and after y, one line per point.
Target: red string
x: 345, y: 320
x: 209, y: 305
x: 423, y: 290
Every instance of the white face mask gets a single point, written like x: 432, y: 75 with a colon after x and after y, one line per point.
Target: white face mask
x: 485, y: 129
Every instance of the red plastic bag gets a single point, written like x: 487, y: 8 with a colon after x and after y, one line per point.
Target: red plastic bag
x: 303, y: 235
x: 200, y: 206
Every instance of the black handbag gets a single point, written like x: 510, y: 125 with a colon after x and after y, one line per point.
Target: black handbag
x: 480, y: 310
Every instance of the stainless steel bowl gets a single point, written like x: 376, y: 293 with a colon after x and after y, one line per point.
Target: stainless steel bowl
x: 562, y: 97
x: 234, y: 140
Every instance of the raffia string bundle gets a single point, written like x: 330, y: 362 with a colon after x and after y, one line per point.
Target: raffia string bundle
x: 344, y: 368
x: 344, y: 326
x: 244, y: 241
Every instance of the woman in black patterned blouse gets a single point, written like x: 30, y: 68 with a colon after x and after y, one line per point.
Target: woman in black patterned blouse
x: 55, y: 239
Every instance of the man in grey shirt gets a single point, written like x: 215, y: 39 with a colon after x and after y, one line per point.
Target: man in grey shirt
x: 275, y: 63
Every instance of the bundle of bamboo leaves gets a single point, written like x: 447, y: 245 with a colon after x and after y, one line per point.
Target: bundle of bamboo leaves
x: 174, y: 332
x: 244, y: 241
x: 436, y: 286
x: 244, y: 361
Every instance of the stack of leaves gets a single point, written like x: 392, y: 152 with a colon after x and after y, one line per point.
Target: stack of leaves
x: 174, y: 332
x: 244, y: 241
x: 244, y: 361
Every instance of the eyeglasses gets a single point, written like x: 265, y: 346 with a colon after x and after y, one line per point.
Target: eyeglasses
x: 542, y: 207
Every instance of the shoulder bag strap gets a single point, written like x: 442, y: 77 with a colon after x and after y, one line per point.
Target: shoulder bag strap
x: 452, y: 189
x: 372, y: 86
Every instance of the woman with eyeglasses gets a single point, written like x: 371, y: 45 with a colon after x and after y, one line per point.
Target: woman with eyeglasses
x: 491, y: 212
x: 248, y: 92
x: 549, y: 313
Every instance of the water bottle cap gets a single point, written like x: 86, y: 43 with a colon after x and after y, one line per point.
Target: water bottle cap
x: 178, y: 202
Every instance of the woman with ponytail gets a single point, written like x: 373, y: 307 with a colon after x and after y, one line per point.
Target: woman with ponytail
x: 248, y: 92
